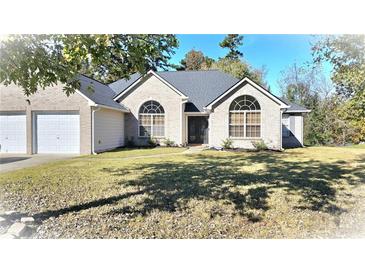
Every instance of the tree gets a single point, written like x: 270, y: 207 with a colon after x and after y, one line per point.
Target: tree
x: 232, y: 42
x: 39, y: 61
x: 195, y: 60
x: 240, y: 69
x: 301, y: 84
x: 309, y: 87
x: 346, y: 53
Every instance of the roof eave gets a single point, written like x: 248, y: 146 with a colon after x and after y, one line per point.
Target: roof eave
x: 299, y: 111
x: 113, y: 108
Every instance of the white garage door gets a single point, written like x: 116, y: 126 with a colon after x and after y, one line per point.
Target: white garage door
x: 13, y: 132
x: 58, y: 132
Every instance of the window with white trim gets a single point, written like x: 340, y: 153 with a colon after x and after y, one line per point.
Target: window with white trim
x: 151, y: 119
x: 245, y: 118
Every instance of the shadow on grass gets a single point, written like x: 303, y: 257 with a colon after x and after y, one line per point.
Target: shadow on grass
x: 170, y: 186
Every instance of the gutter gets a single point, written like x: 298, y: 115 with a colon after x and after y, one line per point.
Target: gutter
x: 107, y: 107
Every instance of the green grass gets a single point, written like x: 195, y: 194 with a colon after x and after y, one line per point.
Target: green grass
x: 299, y: 193
x: 362, y: 146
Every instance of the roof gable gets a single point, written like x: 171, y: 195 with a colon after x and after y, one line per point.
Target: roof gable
x: 122, y: 84
x: 201, y: 87
x: 281, y: 103
x: 149, y: 73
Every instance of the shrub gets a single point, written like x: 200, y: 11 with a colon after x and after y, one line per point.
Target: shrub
x: 259, y: 145
x: 169, y: 143
x: 152, y: 142
x: 227, y: 143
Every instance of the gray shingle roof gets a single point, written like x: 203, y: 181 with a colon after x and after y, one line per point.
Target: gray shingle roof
x: 101, y: 94
x: 293, y: 107
x: 122, y: 84
x: 202, y: 87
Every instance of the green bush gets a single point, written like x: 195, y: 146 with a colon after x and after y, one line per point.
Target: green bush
x: 259, y: 145
x: 227, y: 143
x: 169, y: 143
x: 152, y: 142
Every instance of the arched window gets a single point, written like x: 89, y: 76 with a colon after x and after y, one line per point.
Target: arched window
x: 245, y: 117
x: 151, y: 120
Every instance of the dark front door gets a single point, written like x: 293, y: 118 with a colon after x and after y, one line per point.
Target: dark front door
x: 197, y: 129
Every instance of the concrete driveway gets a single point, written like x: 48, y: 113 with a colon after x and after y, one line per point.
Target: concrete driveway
x: 10, y: 161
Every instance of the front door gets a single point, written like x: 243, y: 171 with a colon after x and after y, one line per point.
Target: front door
x: 197, y: 129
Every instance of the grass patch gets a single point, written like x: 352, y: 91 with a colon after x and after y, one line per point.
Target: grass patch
x: 134, y: 152
x: 300, y: 193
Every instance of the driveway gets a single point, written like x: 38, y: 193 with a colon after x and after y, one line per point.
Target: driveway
x: 11, y: 162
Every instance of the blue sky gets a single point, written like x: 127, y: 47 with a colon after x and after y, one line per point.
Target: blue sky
x: 276, y: 52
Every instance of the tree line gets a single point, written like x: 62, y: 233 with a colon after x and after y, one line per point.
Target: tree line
x: 337, y: 107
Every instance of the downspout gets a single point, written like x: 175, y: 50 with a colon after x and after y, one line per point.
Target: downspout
x: 94, y: 109
x: 182, y: 121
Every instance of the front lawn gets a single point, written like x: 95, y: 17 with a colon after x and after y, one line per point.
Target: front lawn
x: 299, y: 193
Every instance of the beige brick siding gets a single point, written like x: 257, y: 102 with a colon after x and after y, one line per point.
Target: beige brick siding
x: 153, y: 88
x: 53, y: 98
x: 270, y: 119
x: 109, y: 129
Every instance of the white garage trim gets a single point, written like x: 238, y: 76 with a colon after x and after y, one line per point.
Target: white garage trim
x: 56, y: 132
x: 13, y: 132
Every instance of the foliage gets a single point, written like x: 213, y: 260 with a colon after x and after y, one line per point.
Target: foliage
x: 259, y: 145
x: 152, y: 142
x: 195, y: 60
x: 39, y: 61
x: 232, y: 42
x: 240, y: 69
x: 231, y: 63
x: 168, y: 142
x: 227, y: 143
x: 346, y: 53
x: 324, y: 124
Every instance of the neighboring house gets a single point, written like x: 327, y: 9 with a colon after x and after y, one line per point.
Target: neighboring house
x: 186, y: 107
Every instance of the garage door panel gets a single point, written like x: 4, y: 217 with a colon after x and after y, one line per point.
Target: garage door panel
x: 58, y: 133
x: 13, y: 132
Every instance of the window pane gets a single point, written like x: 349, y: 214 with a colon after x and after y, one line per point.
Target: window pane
x: 236, y: 118
x: 151, y: 107
x: 253, y: 131
x: 158, y: 131
x: 253, y: 118
x: 145, y: 120
x: 236, y: 131
x: 158, y: 120
x: 145, y: 131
